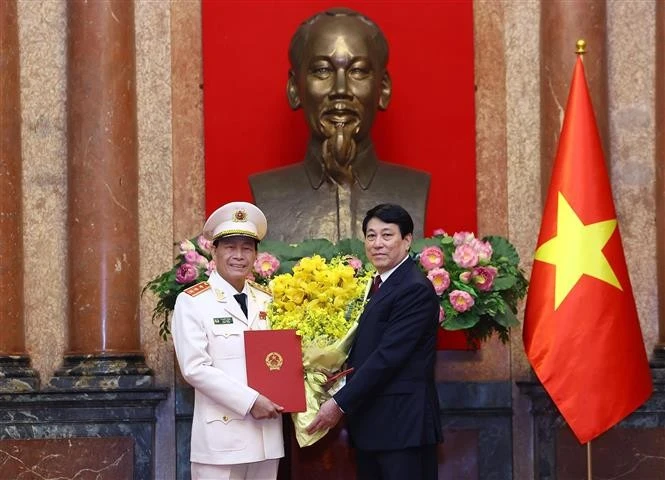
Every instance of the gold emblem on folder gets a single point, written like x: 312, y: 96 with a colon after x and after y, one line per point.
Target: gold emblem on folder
x: 274, y: 361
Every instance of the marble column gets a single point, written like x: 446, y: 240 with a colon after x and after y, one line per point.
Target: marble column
x: 562, y: 23
x: 104, y: 348
x: 658, y: 358
x: 15, y: 371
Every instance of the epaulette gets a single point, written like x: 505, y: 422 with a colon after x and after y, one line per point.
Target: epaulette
x: 195, y: 290
x: 260, y: 287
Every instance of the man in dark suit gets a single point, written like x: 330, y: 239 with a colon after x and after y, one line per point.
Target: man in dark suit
x: 390, y: 400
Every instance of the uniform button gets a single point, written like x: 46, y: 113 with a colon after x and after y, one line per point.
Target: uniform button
x: 225, y: 418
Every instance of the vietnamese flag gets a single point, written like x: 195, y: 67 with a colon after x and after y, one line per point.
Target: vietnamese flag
x: 581, y: 330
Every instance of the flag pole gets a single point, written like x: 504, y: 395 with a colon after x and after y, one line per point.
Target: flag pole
x: 580, y: 49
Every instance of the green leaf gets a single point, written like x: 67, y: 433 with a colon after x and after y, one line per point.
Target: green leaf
x: 286, y: 266
x: 502, y: 248
x: 419, y: 243
x: 506, y: 319
x: 283, y: 251
x: 352, y: 246
x: 460, y: 322
x: 503, y: 282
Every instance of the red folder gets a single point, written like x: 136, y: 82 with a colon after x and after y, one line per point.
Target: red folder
x: 274, y: 367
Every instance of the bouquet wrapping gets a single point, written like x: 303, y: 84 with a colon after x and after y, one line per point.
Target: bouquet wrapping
x: 322, y: 301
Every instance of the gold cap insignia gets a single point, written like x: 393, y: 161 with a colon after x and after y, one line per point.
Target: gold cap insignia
x: 240, y: 215
x: 274, y: 361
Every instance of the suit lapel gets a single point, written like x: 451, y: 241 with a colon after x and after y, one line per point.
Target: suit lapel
x: 393, y: 282
x: 387, y: 287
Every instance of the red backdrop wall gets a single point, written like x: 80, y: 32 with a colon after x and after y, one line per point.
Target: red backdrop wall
x: 429, y: 124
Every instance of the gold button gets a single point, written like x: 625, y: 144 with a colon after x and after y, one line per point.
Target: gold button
x: 225, y: 418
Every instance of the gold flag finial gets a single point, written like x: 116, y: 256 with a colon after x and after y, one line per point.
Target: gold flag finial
x: 580, y: 47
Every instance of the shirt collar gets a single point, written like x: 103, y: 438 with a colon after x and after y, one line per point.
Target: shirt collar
x: 384, y: 276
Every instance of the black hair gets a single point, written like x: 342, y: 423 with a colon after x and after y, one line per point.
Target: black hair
x: 390, y: 213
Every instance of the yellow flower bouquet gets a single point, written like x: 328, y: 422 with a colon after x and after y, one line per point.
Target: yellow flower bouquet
x: 322, y: 302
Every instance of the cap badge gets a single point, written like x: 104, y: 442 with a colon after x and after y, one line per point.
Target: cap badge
x: 240, y: 216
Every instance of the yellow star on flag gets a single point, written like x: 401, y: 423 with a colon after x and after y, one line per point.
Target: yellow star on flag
x: 577, y: 249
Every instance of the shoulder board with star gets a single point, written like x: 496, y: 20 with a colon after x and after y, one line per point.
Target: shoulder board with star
x: 197, y: 289
x: 259, y: 287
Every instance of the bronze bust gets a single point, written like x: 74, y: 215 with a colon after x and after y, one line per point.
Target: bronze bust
x: 338, y: 76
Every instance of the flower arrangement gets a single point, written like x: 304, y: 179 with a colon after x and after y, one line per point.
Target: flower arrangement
x: 479, y: 282
x: 322, y: 301
x: 194, y: 264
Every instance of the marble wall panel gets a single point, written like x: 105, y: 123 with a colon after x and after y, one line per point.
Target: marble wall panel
x: 68, y: 458
x: 459, y: 455
x: 640, y: 458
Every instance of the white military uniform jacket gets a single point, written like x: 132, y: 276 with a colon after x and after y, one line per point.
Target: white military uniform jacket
x: 208, y: 329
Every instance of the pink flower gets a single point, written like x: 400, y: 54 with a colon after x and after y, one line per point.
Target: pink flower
x: 431, y: 257
x: 461, y: 238
x: 483, y: 249
x: 460, y: 300
x: 354, y: 262
x: 440, y: 278
x: 483, y: 277
x: 465, y: 277
x: 186, y: 273
x: 442, y: 314
x: 439, y: 232
x: 186, y: 246
x: 465, y: 256
x: 203, y: 243
x: 212, y: 266
x: 192, y: 257
x: 265, y: 264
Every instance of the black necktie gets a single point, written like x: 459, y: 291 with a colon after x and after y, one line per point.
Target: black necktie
x: 242, y: 300
x: 376, y: 283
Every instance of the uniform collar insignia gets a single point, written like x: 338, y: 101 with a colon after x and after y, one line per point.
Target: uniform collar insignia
x: 219, y: 293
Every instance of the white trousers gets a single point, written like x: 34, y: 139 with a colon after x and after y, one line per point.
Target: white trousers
x: 265, y: 470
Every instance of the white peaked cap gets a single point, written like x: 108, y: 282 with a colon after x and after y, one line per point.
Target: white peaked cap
x: 236, y: 219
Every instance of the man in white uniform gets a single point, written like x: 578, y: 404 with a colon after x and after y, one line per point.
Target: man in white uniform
x: 236, y: 431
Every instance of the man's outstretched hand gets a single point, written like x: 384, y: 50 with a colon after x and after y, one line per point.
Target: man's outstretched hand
x: 327, y: 417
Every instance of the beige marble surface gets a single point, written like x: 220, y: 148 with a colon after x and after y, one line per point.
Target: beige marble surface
x: 523, y: 138
x: 632, y: 148
x: 153, y: 73
x: 155, y: 134
x: 42, y: 29
x: 187, y: 98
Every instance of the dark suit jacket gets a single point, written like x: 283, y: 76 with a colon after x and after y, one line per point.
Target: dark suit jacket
x: 390, y: 400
